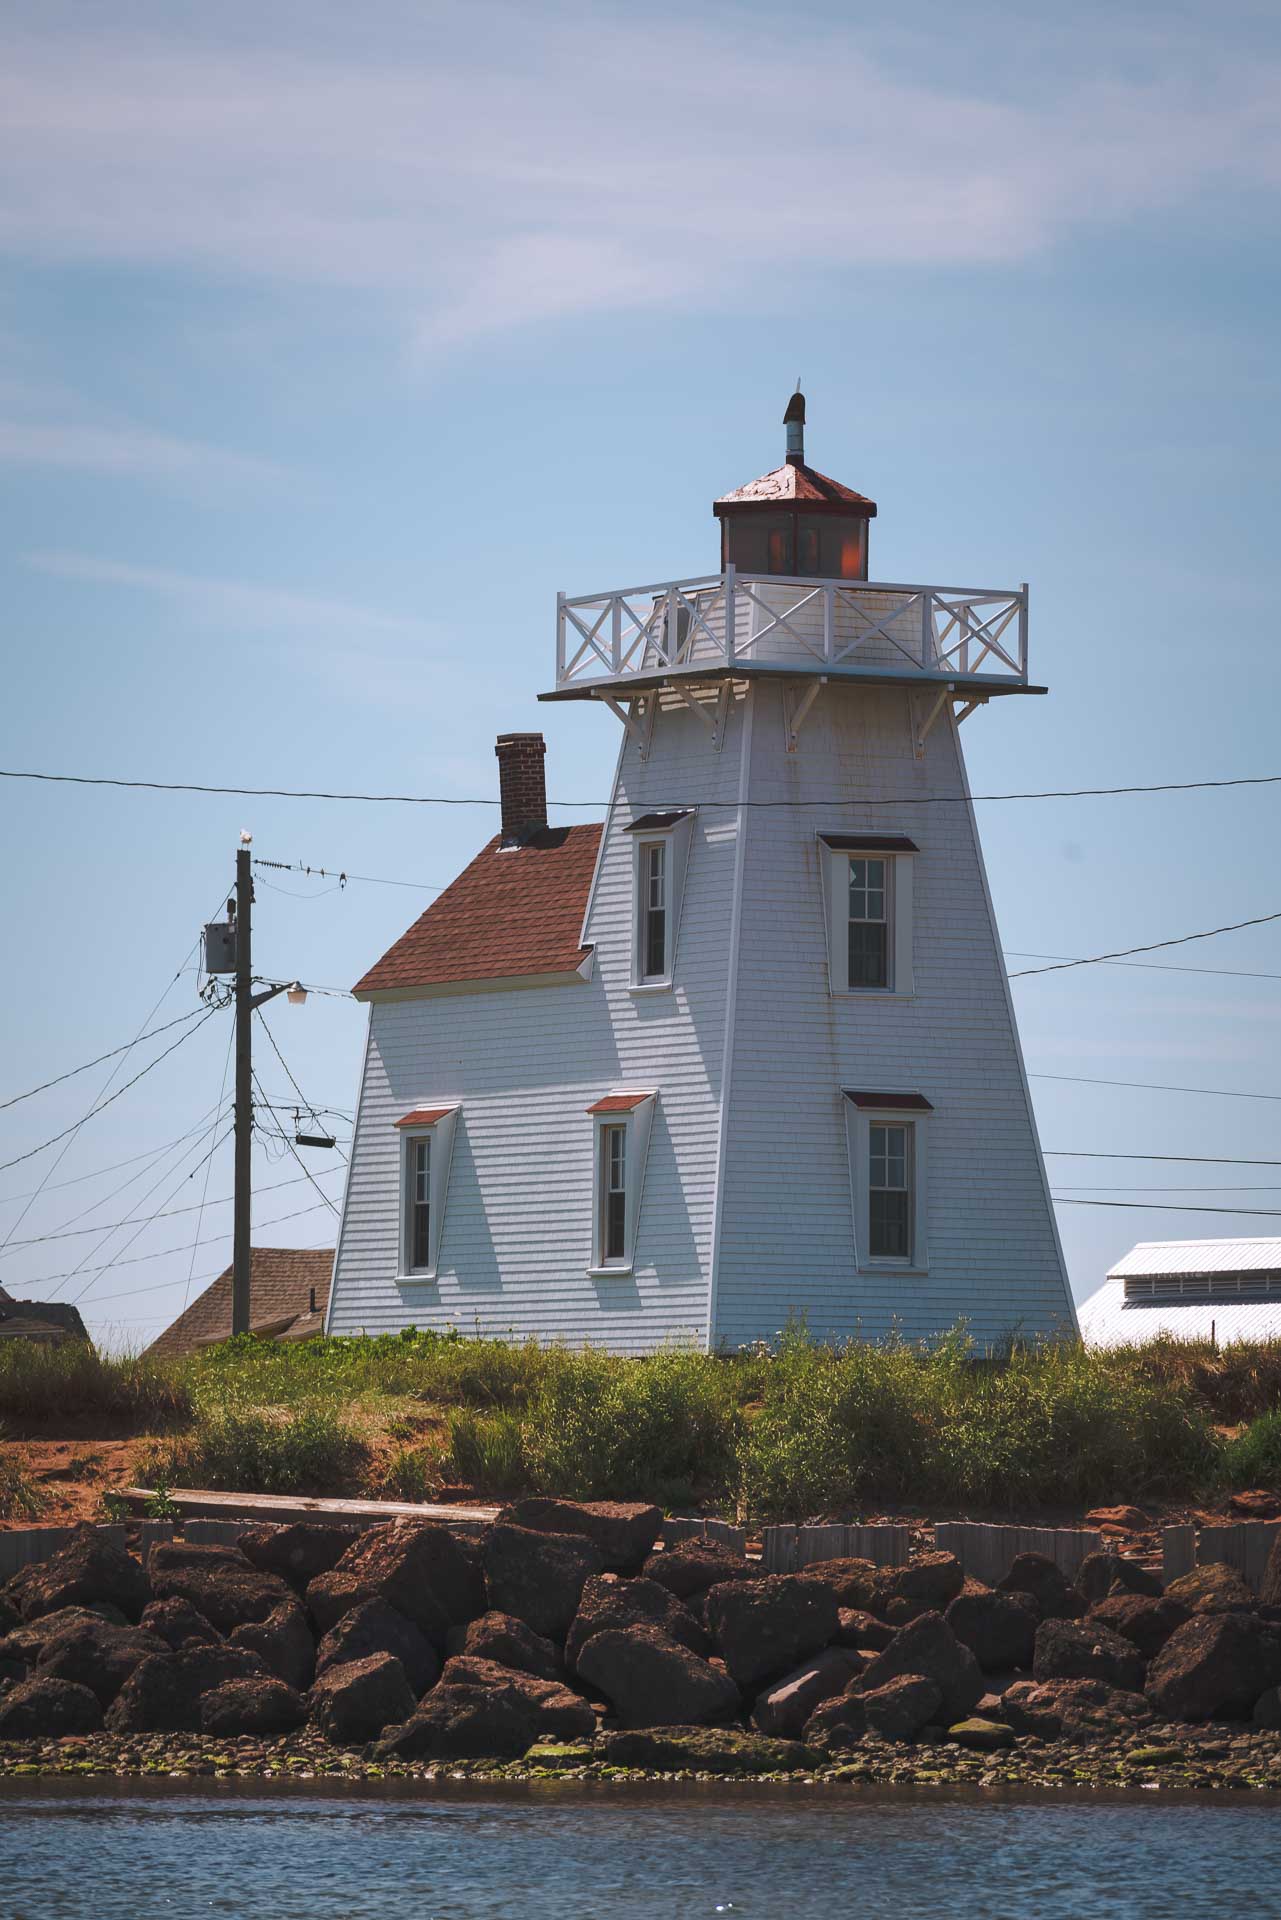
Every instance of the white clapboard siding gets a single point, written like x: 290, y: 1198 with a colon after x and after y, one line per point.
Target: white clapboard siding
x: 787, y: 1241
x: 516, y: 1240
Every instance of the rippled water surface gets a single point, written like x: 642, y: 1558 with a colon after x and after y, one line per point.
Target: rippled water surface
x: 439, y: 1854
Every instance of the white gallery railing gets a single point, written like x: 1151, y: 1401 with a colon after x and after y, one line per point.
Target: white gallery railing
x: 737, y: 618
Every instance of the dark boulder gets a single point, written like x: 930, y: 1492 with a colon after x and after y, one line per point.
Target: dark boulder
x: 97, y: 1656
x: 1214, y: 1588
x: 560, y: 1713
x: 298, y: 1552
x: 463, y: 1723
x: 929, y: 1581
x: 163, y: 1693
x: 217, y: 1581
x: 764, y: 1626
x: 651, y: 1681
x: 861, y: 1630
x: 508, y: 1642
x: 285, y: 1643
x: 1048, y: 1585
x: 352, y: 1703
x: 1270, y: 1585
x: 1084, y: 1650
x: 260, y: 1704
x: 852, y: 1582
x: 9, y: 1616
x: 607, y: 1602
x: 374, y: 1627
x: 1100, y: 1574
x: 1073, y: 1709
x: 47, y: 1709
x: 1214, y: 1667
x: 12, y: 1668
x: 1267, y: 1710
x: 692, y: 1566
x: 998, y: 1628
x: 622, y: 1531
x: 896, y: 1711
x: 784, y: 1709
x: 420, y: 1569
x: 178, y: 1624
x: 26, y: 1642
x: 1138, y: 1617
x: 87, y: 1569
x: 930, y: 1648
x: 539, y: 1577
x: 702, y: 1750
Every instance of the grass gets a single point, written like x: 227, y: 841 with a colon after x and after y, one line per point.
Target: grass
x: 21, y: 1498
x: 799, y: 1431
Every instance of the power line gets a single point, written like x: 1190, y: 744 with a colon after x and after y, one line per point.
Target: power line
x: 102, y: 1104
x: 1158, y: 1086
x: 1181, y: 1159
x: 453, y: 800
x: 169, y: 1213
x: 204, y: 1192
x: 342, y: 876
x: 1153, y: 1206
x: 1147, y: 966
x: 293, y: 1083
x: 293, y: 1149
x: 138, y: 1259
x: 99, y: 1173
x: 1062, y: 966
x: 71, y: 1072
x: 1141, y: 1189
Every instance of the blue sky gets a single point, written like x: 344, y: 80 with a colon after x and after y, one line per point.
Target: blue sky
x: 334, y: 341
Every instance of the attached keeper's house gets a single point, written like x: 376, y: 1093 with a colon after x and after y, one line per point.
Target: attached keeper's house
x: 1217, y: 1290
x: 746, y: 1049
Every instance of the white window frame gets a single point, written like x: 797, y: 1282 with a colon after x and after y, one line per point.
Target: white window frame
x: 441, y: 1133
x: 859, y: 1122
x: 635, y: 1123
x: 675, y: 840
x: 900, y: 973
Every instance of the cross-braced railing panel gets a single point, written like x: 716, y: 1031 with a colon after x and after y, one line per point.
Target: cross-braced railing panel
x: 851, y: 625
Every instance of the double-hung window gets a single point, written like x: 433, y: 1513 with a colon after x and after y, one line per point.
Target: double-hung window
x: 622, y: 1123
x: 653, y: 910
x: 660, y: 855
x: 426, y: 1146
x: 886, y: 1141
x: 867, y: 885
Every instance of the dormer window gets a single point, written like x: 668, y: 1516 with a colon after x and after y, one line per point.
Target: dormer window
x: 426, y: 1149
x: 867, y: 884
x: 660, y: 856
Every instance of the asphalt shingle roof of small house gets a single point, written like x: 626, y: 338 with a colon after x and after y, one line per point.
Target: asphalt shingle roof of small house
x: 48, y: 1322
x: 281, y: 1280
x: 515, y: 911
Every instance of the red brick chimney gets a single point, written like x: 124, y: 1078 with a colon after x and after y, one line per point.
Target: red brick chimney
x: 522, y: 786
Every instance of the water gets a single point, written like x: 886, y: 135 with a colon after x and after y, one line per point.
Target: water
x: 137, y: 1850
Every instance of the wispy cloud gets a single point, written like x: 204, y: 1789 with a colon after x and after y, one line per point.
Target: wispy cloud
x: 245, y: 605
x: 123, y: 450
x: 492, y: 167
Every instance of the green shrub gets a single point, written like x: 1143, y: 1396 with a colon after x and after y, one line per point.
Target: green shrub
x: 410, y: 1473
x: 1253, y: 1458
x: 44, y: 1386
x: 247, y: 1450
x: 485, y: 1451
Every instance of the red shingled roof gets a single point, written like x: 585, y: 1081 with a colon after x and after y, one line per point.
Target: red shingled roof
x: 795, y: 484
x: 619, y: 1102
x: 513, y: 911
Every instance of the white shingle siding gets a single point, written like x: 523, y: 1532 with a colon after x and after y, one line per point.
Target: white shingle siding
x: 525, y: 1065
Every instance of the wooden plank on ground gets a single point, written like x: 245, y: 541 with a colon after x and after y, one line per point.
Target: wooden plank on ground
x: 204, y: 1503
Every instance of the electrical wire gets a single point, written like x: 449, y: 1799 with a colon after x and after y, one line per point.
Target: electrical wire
x: 152, y: 1153
x: 171, y: 1213
x: 1181, y: 1159
x: 1146, y: 966
x: 1141, y: 1189
x: 204, y: 1194
x: 293, y: 1149
x: 71, y: 1073
x: 103, y: 1104
x: 1158, y: 1086
x: 341, y: 875
x: 452, y: 800
x: 1154, y: 1206
x: 293, y: 1083
x: 1098, y: 959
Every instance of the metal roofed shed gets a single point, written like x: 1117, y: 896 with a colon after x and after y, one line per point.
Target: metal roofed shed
x: 1220, y: 1290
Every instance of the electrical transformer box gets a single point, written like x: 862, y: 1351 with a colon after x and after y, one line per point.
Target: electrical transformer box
x: 220, y: 947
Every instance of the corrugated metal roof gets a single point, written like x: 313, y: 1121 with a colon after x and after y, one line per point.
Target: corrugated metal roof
x: 1161, y: 1257
x: 1108, y: 1319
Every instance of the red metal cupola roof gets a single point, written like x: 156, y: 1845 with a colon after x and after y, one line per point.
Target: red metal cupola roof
x: 794, y: 484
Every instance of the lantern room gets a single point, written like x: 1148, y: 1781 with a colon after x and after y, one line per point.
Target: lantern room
x: 795, y: 521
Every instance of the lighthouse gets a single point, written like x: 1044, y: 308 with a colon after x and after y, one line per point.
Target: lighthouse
x: 745, y: 1051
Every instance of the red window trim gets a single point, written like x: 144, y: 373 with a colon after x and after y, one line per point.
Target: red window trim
x: 423, y: 1116
x: 892, y: 1102
x: 620, y: 1102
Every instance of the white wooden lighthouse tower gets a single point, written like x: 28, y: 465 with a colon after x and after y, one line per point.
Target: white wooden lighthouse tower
x: 800, y: 911
x: 745, y: 1050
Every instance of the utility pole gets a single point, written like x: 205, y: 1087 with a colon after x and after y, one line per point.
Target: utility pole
x: 229, y: 949
x: 243, y: 1203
